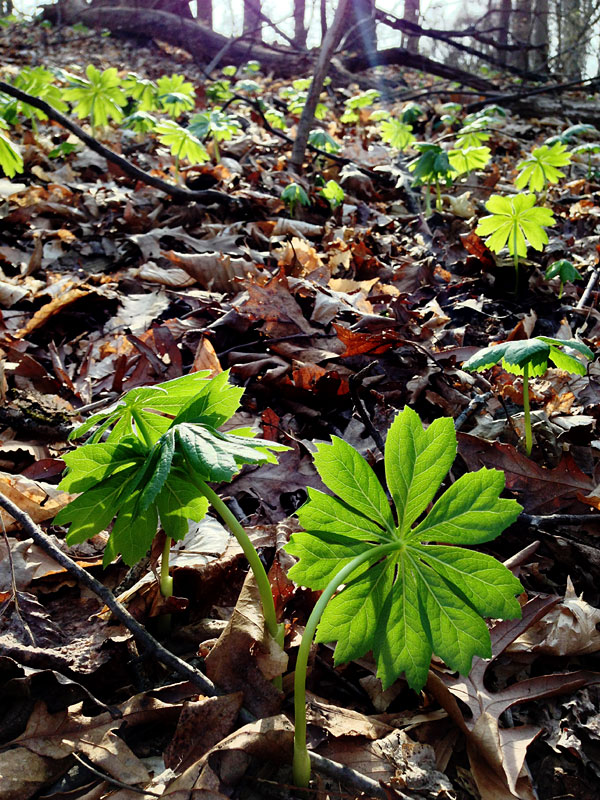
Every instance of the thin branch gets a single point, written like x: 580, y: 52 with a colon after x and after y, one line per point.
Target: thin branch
x: 148, y: 642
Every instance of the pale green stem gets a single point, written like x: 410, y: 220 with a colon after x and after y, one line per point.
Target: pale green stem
x: 560, y: 291
x: 264, y: 587
x: 528, y: 435
x: 438, y: 196
x: 301, y: 765
x: 516, y: 258
x: 428, y: 200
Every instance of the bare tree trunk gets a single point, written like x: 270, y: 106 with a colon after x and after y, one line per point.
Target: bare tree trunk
x: 323, y: 10
x: 252, y: 24
x: 522, y: 17
x: 412, y: 10
x: 205, y: 12
x: 330, y: 42
x: 539, y: 37
x: 504, y: 24
x: 360, y: 26
x: 572, y: 35
x: 299, y: 29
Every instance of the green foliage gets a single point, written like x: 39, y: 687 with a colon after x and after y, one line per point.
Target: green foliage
x: 411, y: 113
x: 219, y: 91
x: 565, y: 271
x: 229, y: 70
x: 144, y: 91
x: 140, y: 121
x: 182, y: 142
x: 430, y: 169
x: 275, y: 119
x: 220, y: 126
x: 353, y: 104
x: 11, y: 160
x: 333, y: 193
x: 157, y: 438
x: 588, y: 149
x: 573, y: 132
x: 415, y: 591
x: 38, y: 82
x: 541, y: 167
x: 533, y: 353
x: 515, y: 222
x: 396, y: 133
x: 294, y: 195
x: 175, y: 95
x: 321, y: 139
x: 99, y: 98
x: 468, y: 159
x: 63, y: 149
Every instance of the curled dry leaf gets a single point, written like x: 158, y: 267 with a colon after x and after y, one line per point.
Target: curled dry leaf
x: 40, y: 500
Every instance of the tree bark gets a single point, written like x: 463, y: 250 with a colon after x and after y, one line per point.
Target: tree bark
x: 539, y: 37
x: 412, y: 9
x: 299, y: 29
x: 521, y: 22
x: 252, y: 24
x: 360, y: 25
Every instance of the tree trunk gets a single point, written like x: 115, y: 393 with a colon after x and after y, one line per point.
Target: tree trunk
x: 412, y: 10
x: 205, y: 12
x: 572, y: 31
x: 539, y: 37
x: 504, y: 25
x: 362, y: 34
x: 252, y: 25
x: 522, y: 17
x: 299, y: 29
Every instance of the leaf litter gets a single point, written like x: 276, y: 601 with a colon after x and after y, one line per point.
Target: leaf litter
x: 106, y: 288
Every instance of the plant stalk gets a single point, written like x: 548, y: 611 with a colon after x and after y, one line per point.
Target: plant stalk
x: 301, y: 764
x: 528, y: 434
x: 516, y: 258
x: 264, y: 587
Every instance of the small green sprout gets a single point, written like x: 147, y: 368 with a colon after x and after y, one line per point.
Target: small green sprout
x: 565, y: 271
x: 411, y: 113
x: 396, y: 133
x: 294, y: 195
x: 38, y: 82
x: 98, y: 98
x: 529, y: 357
x: 216, y: 124
x: 219, y: 91
x: 143, y: 90
x: 276, y: 119
x: 321, y: 139
x: 229, y: 70
x: 573, y: 132
x: 588, y: 149
x: 515, y: 222
x: 431, y: 169
x: 398, y: 582
x: 63, y: 149
x: 140, y: 121
x: 333, y: 193
x: 541, y: 167
x: 182, y: 142
x: 362, y: 100
x: 175, y: 95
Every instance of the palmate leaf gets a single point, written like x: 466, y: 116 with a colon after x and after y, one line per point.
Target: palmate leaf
x: 466, y: 159
x: 515, y: 222
x: 420, y: 596
x: 100, y: 97
x: 541, y: 167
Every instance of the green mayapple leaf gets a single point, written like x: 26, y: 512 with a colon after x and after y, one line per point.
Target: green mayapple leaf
x: 413, y: 592
x: 150, y: 404
x: 99, y: 98
x: 143, y: 90
x: 175, y: 95
x: 179, y: 502
x: 466, y: 159
x: 565, y: 271
x: 214, y: 123
x: 533, y: 353
x: 133, y: 531
x: 11, y: 160
x: 541, y: 167
x: 94, y: 463
x: 515, y: 222
x: 182, y: 142
x: 396, y: 133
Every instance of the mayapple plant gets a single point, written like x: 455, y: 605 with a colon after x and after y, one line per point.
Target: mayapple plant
x: 541, y: 167
x: 151, y: 458
x: 216, y: 124
x: 515, y: 222
x: 529, y: 357
x: 400, y: 589
x: 564, y: 270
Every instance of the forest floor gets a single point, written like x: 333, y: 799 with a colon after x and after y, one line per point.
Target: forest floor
x: 332, y: 321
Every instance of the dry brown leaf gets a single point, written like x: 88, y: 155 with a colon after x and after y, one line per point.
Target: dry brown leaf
x: 49, y: 310
x: 40, y: 500
x: 206, y: 358
x: 218, y: 272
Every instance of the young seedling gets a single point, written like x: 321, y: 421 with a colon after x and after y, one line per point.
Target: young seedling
x: 467, y: 159
x: 221, y: 127
x: 431, y: 169
x: 333, y: 193
x: 321, y: 139
x: 358, y: 101
x: 589, y: 149
x: 175, y: 95
x: 98, y: 98
x: 294, y: 195
x: 515, y: 222
x: 396, y: 133
x: 162, y: 447
x: 404, y: 591
x: 541, y: 167
x: 529, y: 357
x: 565, y: 271
x: 182, y: 142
